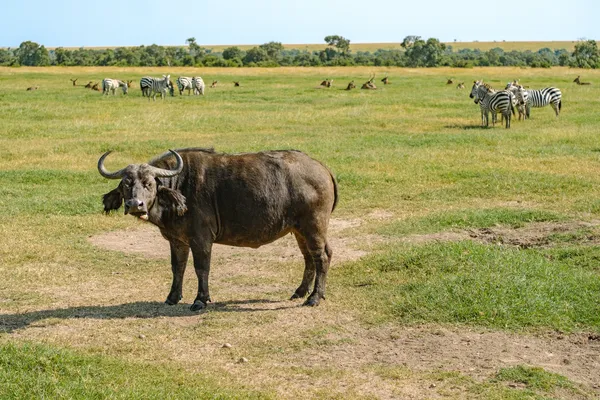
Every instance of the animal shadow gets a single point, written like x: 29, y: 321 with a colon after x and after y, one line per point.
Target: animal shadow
x: 142, y: 309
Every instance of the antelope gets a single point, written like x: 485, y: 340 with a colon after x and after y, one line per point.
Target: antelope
x: 386, y: 81
x: 461, y: 85
x: 129, y: 83
x: 578, y: 81
x: 74, y: 81
x: 95, y: 86
x: 327, y: 83
x: 33, y: 88
x: 449, y: 81
x: 214, y: 84
x: 369, y: 84
x: 89, y: 85
x: 236, y: 84
x: 351, y: 86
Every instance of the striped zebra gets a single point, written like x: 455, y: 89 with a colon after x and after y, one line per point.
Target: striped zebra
x: 543, y: 97
x: 185, y: 83
x: 492, y: 101
x: 520, y: 98
x: 152, y: 86
x: 198, y: 85
x: 111, y: 85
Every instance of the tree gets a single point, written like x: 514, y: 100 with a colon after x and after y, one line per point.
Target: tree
x: 273, y: 49
x: 233, y: 52
x: 409, y: 41
x: 339, y: 42
x: 256, y: 55
x: 32, y: 54
x: 586, y: 54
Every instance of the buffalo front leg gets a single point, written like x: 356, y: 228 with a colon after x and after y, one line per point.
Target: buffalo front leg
x: 201, y: 255
x: 179, y: 256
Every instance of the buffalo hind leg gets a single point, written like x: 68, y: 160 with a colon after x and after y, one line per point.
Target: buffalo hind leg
x: 321, y: 258
x: 201, y: 253
x: 179, y: 256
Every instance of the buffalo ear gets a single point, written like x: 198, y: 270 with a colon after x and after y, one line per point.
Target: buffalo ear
x: 171, y: 200
x: 112, y: 200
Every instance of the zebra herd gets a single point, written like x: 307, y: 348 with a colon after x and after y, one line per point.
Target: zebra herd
x: 152, y: 86
x: 503, y: 102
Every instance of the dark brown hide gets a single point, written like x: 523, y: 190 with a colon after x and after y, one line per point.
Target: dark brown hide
x: 243, y: 200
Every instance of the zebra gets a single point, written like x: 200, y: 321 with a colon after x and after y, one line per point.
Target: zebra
x: 185, y: 83
x: 520, y: 99
x: 489, y: 100
x: 110, y: 85
x: 543, y: 97
x: 198, y: 85
x: 152, y: 86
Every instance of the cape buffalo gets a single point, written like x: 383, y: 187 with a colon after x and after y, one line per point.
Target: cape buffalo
x: 198, y: 197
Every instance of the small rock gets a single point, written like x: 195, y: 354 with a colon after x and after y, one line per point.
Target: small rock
x: 432, y: 386
x: 512, y: 385
x: 242, y: 360
x: 226, y: 346
x: 566, y: 361
x: 141, y: 336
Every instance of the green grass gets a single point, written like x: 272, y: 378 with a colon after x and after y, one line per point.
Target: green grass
x: 469, y: 218
x: 413, y: 149
x: 475, y: 284
x: 33, y: 371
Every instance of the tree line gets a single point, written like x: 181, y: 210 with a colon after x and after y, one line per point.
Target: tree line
x: 412, y: 52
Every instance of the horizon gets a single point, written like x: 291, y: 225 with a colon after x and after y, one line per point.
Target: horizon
x: 66, y: 23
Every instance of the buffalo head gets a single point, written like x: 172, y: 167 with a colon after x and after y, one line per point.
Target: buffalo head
x: 140, y: 189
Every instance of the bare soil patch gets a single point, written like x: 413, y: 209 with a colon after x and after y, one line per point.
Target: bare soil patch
x: 146, y: 240
x: 537, y: 234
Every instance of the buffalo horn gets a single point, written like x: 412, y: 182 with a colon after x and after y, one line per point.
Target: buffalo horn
x: 104, y: 172
x: 167, y: 173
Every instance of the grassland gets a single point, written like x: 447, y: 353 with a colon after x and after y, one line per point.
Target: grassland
x: 421, y: 314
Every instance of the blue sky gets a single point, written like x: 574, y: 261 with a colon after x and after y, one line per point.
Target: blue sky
x: 132, y: 23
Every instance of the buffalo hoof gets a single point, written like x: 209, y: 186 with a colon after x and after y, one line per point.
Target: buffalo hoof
x: 170, y: 301
x: 198, y: 305
x: 312, y: 302
x: 296, y: 296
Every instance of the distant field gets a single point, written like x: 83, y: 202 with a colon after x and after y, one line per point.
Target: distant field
x: 506, y: 46
x: 465, y: 259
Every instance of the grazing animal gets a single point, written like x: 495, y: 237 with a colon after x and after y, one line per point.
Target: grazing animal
x: 151, y: 86
x: 198, y: 85
x: 236, y: 84
x: 327, y: 83
x: 198, y: 197
x: 351, y: 86
x: 214, y: 84
x: 111, y: 85
x: 184, y: 83
x: 74, y: 81
x: 449, y: 81
x: 520, y: 98
x: 89, y: 85
x: 96, y: 87
x: 578, y: 81
x: 460, y: 85
x: 129, y: 83
x: 541, y: 98
x: 32, y: 88
x: 494, y: 102
x: 386, y: 81
x: 369, y: 85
